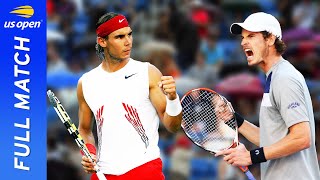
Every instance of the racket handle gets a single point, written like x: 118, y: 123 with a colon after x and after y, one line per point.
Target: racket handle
x: 247, y: 172
x: 244, y: 168
x: 99, y: 173
x: 249, y: 175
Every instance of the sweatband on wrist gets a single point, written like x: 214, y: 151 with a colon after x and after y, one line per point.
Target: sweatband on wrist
x: 92, y: 149
x: 239, y: 119
x: 173, y: 107
x: 257, y: 156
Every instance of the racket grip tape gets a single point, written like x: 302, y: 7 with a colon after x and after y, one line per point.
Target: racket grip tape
x: 249, y: 175
x: 247, y: 172
x: 100, y: 175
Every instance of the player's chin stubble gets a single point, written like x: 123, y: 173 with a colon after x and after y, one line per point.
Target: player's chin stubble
x: 114, y: 58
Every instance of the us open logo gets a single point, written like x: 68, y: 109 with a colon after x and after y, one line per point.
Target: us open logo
x: 25, y: 12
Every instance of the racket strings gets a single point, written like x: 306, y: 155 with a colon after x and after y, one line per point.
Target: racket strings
x: 208, y: 120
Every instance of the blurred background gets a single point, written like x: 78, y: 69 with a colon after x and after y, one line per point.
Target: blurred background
x: 189, y: 40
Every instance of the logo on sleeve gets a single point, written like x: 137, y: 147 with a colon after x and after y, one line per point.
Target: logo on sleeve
x: 293, y: 105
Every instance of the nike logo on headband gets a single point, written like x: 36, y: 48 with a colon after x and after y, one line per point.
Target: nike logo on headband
x: 120, y: 21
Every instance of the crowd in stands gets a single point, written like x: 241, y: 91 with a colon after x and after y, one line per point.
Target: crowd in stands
x: 189, y: 40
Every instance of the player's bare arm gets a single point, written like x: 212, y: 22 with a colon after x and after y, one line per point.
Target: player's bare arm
x: 85, y: 118
x: 297, y: 139
x: 159, y: 87
x: 250, y: 132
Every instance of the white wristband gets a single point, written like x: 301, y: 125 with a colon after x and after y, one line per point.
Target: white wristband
x: 173, y: 107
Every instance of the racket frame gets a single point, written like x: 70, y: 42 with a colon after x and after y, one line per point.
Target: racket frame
x: 235, y: 143
x: 236, y: 139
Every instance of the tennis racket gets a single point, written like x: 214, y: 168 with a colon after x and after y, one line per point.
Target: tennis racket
x: 72, y: 129
x: 208, y: 120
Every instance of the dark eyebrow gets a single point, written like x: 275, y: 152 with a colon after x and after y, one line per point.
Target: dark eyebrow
x: 249, y: 35
x: 119, y: 36
x: 122, y: 35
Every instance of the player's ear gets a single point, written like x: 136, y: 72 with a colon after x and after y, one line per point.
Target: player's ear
x: 102, y: 41
x: 271, y: 40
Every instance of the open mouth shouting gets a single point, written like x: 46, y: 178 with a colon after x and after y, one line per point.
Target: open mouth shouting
x: 249, y: 54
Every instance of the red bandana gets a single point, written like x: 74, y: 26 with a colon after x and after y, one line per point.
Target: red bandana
x: 111, y: 25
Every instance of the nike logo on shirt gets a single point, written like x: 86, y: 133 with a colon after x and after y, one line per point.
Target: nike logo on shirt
x: 120, y: 21
x: 126, y: 77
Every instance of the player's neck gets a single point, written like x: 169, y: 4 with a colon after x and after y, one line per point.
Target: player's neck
x: 269, y: 62
x: 113, y: 65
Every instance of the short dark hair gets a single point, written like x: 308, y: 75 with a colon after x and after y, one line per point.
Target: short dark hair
x: 279, y: 44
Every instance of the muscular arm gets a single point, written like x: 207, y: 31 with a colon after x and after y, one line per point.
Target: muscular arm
x: 158, y: 99
x: 250, y: 132
x: 85, y: 117
x: 298, y: 138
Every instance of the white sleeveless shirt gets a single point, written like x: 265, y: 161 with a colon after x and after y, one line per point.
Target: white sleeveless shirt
x: 127, y: 122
